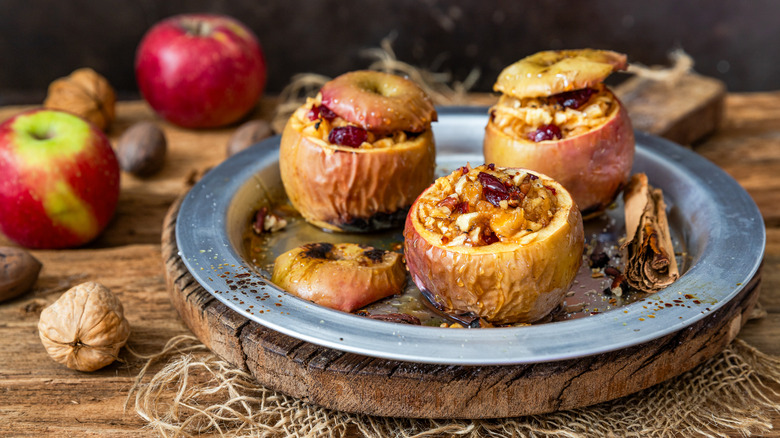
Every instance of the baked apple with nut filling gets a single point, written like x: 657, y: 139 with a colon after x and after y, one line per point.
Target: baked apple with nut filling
x: 555, y: 116
x: 356, y: 156
x: 503, y: 244
x: 344, y: 276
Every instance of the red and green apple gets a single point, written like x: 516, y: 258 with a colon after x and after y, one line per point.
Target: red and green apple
x: 60, y: 179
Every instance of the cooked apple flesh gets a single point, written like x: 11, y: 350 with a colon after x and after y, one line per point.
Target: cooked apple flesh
x: 486, y: 205
x: 554, y: 117
x: 314, y: 120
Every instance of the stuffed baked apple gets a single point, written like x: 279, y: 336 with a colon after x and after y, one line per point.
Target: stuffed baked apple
x: 343, y: 276
x: 555, y: 116
x: 503, y: 244
x: 355, y: 157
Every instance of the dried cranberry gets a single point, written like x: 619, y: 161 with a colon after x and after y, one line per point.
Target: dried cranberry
x: 573, y: 99
x: 352, y: 136
x: 327, y: 114
x: 552, y: 189
x: 462, y: 207
x: 488, y: 236
x: 493, y: 189
x: 598, y: 260
x: 464, y: 170
x: 489, y: 181
x: 546, y: 132
x: 318, y: 111
x: 491, y: 166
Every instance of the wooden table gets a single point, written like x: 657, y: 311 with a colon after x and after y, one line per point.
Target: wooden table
x: 40, y: 397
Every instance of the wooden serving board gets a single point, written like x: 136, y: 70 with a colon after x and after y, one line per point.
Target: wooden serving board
x: 360, y: 384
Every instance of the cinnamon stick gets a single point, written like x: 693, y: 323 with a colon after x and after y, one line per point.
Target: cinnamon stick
x: 650, y: 261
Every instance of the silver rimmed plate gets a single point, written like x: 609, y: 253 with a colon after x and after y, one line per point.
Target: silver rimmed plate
x: 715, y: 221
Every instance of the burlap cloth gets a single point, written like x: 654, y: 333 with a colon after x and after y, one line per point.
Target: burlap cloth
x: 196, y: 393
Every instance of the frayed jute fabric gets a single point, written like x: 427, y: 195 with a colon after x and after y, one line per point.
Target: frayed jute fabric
x: 197, y: 393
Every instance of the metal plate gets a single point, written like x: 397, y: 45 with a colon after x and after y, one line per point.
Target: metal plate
x: 714, y: 219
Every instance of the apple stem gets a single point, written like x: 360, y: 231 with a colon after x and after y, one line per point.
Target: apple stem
x: 41, y: 135
x: 197, y: 28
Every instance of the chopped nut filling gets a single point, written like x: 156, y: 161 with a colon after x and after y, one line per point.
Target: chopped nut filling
x: 317, y: 123
x: 487, y: 204
x: 267, y: 222
x: 523, y: 118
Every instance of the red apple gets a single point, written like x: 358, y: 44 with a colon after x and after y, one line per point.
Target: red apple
x: 60, y: 179
x: 200, y: 71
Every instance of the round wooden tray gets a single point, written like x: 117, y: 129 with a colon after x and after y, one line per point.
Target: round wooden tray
x: 360, y: 384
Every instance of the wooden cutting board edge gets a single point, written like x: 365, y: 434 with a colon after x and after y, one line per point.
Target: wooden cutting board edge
x: 359, y: 384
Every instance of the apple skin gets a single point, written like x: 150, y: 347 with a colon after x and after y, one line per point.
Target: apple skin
x: 593, y: 166
x: 60, y: 180
x: 340, y: 188
x: 506, y: 282
x: 200, y: 70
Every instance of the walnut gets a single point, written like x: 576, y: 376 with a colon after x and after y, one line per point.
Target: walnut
x: 18, y: 272
x: 86, y: 94
x: 141, y: 149
x: 85, y: 328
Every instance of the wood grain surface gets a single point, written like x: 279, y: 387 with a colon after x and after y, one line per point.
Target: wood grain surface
x: 38, y: 397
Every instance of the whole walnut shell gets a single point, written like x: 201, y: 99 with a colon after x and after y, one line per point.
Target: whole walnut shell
x: 85, y: 328
x: 84, y: 93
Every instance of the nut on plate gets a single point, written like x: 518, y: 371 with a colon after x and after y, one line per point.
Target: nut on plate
x: 18, y: 272
x: 141, y: 149
x: 86, y: 94
x: 85, y: 328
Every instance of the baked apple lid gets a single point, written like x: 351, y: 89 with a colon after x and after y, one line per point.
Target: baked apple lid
x: 379, y: 102
x: 557, y: 71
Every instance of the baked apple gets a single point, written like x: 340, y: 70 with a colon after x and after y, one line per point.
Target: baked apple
x: 356, y: 156
x: 344, y: 276
x: 555, y: 116
x: 503, y: 244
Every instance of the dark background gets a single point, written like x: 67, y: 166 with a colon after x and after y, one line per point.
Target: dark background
x: 735, y: 41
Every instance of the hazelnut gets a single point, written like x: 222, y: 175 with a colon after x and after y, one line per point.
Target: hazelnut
x: 84, y: 93
x: 248, y: 134
x: 18, y: 272
x: 85, y: 328
x: 141, y: 149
